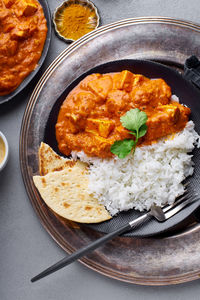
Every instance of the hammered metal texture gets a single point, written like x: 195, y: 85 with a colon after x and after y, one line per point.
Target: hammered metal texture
x: 150, y: 261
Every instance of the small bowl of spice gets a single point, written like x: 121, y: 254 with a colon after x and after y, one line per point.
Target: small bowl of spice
x: 75, y: 18
x: 4, y: 151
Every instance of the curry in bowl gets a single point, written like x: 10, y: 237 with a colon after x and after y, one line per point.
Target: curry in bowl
x: 23, y: 31
x: 89, y: 118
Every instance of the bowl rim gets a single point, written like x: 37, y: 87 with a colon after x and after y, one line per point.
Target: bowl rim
x: 3, y: 163
x: 78, y: 1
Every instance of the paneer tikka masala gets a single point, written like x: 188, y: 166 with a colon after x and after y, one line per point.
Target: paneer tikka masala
x: 89, y: 118
x: 23, y: 32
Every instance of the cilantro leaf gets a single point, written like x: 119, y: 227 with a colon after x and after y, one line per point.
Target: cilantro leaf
x: 122, y: 148
x: 134, y: 119
x: 142, y: 130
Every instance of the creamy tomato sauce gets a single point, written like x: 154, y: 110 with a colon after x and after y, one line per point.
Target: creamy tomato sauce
x: 89, y: 118
x: 23, y: 32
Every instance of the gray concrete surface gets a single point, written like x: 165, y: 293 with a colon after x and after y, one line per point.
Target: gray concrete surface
x: 25, y: 247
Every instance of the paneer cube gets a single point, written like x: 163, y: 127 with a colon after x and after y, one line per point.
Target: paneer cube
x: 102, y: 148
x: 27, y: 7
x: 101, y: 86
x: 23, y: 30
x: 30, y: 9
x: 71, y: 126
x: 105, y: 127
x: 8, y: 3
x: 74, y: 122
x: 103, y: 142
x: 139, y: 80
x: 99, y: 127
x: 123, y: 81
x: 84, y: 103
x: 19, y: 35
x: 172, y: 110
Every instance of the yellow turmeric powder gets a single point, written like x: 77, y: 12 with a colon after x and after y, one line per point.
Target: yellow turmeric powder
x: 75, y: 21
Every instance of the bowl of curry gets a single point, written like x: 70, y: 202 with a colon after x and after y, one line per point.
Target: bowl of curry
x: 89, y: 118
x: 24, y: 41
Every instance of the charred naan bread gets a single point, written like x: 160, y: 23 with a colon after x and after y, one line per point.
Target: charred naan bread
x: 50, y: 161
x: 64, y: 188
x: 66, y: 193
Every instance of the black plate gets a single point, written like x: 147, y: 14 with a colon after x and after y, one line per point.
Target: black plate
x: 28, y: 79
x: 187, y: 94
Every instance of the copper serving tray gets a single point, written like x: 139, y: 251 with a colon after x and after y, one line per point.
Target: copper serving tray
x: 149, y: 261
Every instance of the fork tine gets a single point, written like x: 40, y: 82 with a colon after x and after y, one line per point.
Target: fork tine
x: 186, y: 184
x: 180, y: 206
x: 179, y: 200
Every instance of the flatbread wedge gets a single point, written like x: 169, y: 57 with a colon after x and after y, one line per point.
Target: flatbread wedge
x: 66, y: 193
x: 50, y: 161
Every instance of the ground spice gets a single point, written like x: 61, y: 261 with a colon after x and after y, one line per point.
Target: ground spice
x: 76, y: 20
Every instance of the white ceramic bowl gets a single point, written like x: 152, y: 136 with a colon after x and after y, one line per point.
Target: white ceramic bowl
x: 4, y: 162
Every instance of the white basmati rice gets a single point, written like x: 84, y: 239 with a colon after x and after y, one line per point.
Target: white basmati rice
x: 153, y: 175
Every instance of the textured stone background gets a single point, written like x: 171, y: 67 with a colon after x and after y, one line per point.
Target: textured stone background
x: 25, y: 247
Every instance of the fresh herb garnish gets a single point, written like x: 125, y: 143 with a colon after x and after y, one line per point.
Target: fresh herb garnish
x: 122, y: 148
x: 135, y: 121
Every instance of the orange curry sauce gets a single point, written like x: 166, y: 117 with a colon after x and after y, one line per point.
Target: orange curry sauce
x: 23, y: 32
x: 89, y: 118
